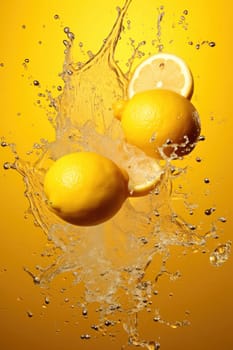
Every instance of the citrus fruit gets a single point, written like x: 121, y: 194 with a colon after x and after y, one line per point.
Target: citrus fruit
x: 85, y: 188
x: 162, y: 71
x: 160, y: 122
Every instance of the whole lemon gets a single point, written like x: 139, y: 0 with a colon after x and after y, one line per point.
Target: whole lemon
x: 162, y: 123
x: 85, y: 188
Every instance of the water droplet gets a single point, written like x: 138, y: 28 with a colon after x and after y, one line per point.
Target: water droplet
x: 95, y: 327
x: 190, y: 42
x: 209, y: 211
x: 7, y: 165
x: 36, y: 83
x: 66, y: 30
x: 30, y: 314
x: 1, y: 64
x: 198, y: 159
x: 185, y: 12
x: 197, y: 46
x: 84, y: 312
x: 212, y: 44
x: 23, y: 26
x: 71, y: 36
x: 47, y: 300
x: 36, y: 280
x: 59, y: 88
x: 4, y: 144
x: 222, y: 219
x: 26, y: 60
x: 56, y: 17
x: 201, y: 138
x: 85, y: 336
x: 221, y: 254
x: 206, y: 180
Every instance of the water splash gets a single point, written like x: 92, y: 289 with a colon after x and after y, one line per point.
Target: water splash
x: 111, y: 259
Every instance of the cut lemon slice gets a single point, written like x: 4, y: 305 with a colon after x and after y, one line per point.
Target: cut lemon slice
x: 145, y: 173
x: 162, y: 71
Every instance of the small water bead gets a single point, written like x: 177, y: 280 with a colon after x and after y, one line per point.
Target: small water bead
x: 201, y: 138
x: 84, y: 312
x: 95, y: 327
x: 209, y: 211
x: 185, y: 12
x: 47, y: 300
x: 30, y: 314
x: 36, y: 82
x: 212, y: 44
x: 59, y: 88
x: 8, y: 165
x: 66, y: 30
x: 85, y: 336
x: 56, y: 16
x: 198, y: 159
x: 71, y: 36
x: 206, y: 180
x: 222, y: 219
x: 66, y: 43
x: 197, y: 46
x: 4, y: 144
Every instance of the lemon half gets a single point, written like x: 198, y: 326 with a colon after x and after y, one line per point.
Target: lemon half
x: 162, y: 71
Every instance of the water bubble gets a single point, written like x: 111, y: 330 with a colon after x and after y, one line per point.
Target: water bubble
x: 197, y: 46
x: 95, y: 327
x: 198, y: 159
x: 23, y: 26
x: 206, y: 180
x: 221, y: 254
x: 36, y: 83
x: 4, y: 144
x: 185, y: 12
x: 56, y: 16
x: 190, y: 42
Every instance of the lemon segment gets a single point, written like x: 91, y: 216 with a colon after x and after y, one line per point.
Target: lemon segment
x: 85, y: 188
x: 162, y: 71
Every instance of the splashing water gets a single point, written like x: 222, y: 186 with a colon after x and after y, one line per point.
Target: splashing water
x: 111, y: 259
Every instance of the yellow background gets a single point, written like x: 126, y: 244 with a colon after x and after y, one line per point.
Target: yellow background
x: 204, y: 290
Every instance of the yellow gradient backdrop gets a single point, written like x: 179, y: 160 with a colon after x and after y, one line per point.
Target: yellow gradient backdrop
x: 28, y: 30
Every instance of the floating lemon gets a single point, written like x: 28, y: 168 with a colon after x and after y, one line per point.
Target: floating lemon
x: 160, y: 122
x: 85, y: 188
x: 162, y: 70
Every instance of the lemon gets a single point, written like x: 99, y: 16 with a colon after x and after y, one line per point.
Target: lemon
x: 85, y: 188
x: 160, y: 122
x: 162, y: 71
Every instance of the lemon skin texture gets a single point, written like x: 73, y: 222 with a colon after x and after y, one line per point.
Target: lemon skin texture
x: 85, y: 188
x: 155, y: 118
